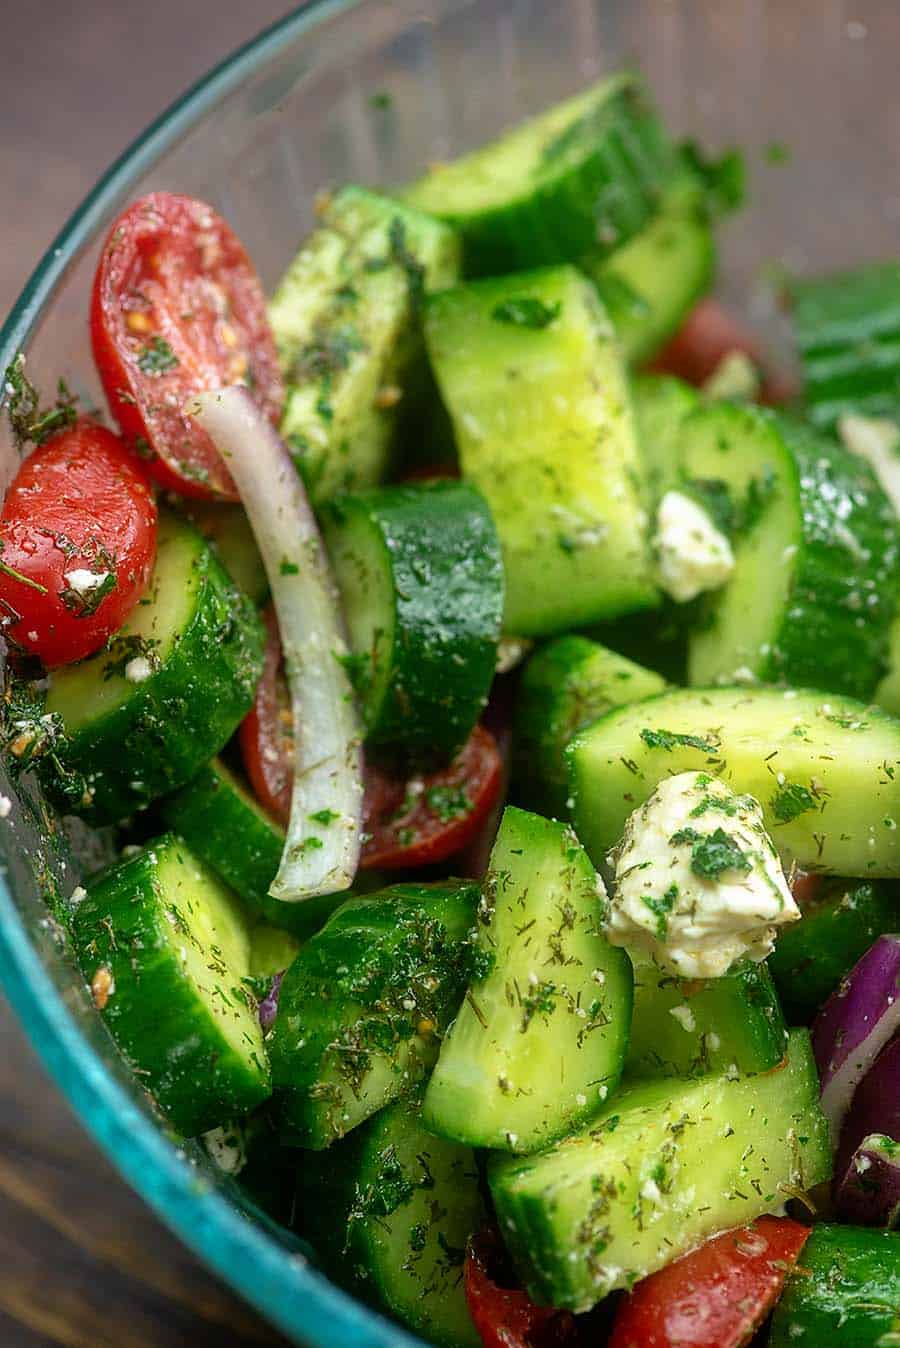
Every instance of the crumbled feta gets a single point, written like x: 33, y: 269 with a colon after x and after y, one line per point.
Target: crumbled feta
x: 78, y: 895
x: 138, y: 670
x: 83, y: 581
x: 698, y: 881
x: 877, y: 440
x: 225, y: 1146
x: 692, y: 554
x: 685, y: 1017
x: 736, y: 377
x: 5, y: 807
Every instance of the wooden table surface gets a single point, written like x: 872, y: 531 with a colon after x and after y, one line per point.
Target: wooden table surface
x: 82, y: 1262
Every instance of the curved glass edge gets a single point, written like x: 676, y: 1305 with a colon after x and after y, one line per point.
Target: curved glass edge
x: 281, y: 1284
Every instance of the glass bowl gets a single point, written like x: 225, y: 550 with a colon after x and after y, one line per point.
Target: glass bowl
x: 371, y: 91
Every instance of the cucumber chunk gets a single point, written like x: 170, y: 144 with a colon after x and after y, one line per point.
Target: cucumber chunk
x: 812, y: 595
x: 272, y: 950
x: 666, y: 1165
x: 391, y: 1209
x: 661, y: 404
x: 651, y: 283
x: 346, y: 322
x: 364, y: 1002
x: 850, y: 1294
x: 166, y: 950
x: 686, y: 1028
x: 579, y: 179
x: 227, y: 529
x: 135, y: 732
x: 421, y: 580
x: 540, y: 1040
x: 566, y: 685
x: 887, y: 694
x: 847, y: 328
x: 530, y: 372
x: 826, y: 770
x: 838, y: 926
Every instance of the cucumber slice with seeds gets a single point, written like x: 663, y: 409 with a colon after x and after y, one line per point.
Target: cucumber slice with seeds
x: 812, y: 595
x: 421, y: 580
x: 530, y: 372
x: 137, y: 731
x: 540, y: 1040
x: 826, y: 770
x: 666, y: 1165
x: 166, y: 949
x: 579, y: 179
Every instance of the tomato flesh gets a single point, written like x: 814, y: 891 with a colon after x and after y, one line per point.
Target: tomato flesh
x: 178, y: 308
x: 77, y: 545
x: 707, y: 335
x: 506, y: 1317
x: 409, y: 820
x: 716, y: 1296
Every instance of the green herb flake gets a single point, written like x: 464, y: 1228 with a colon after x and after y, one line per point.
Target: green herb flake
x: 324, y: 817
x: 288, y: 568
x: 790, y: 800
x: 669, y: 739
x: 526, y: 311
x: 716, y: 853
x: 448, y: 802
x: 661, y: 908
x: 775, y: 152
x: 85, y: 603
x: 157, y: 357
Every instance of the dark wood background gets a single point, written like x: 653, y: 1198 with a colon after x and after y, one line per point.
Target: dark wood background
x: 82, y: 1262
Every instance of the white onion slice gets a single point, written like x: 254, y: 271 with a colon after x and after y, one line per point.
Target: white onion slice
x: 321, y: 851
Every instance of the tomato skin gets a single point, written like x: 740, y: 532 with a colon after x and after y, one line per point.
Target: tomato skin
x: 173, y: 272
x: 78, y: 503
x: 506, y: 1317
x: 707, y: 335
x: 716, y: 1296
x: 467, y: 789
x: 805, y: 887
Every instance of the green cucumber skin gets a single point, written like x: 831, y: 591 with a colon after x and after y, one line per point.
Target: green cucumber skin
x: 845, y: 755
x: 850, y: 1294
x: 442, y: 551
x: 183, y: 715
x: 834, y: 553
x: 847, y: 328
x: 540, y: 1041
x: 813, y: 955
x: 558, y: 464
x: 155, y: 1017
x: 735, y: 1021
x: 565, y: 685
x: 575, y: 1217
x: 586, y: 207
x: 390, y: 1210
x: 661, y: 403
x: 227, y: 530
x: 887, y: 694
x: 344, y: 1044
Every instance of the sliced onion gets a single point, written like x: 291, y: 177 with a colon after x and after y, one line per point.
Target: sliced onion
x: 869, y: 1193
x: 875, y: 1107
x: 268, y: 1007
x: 321, y: 850
x: 855, y: 1024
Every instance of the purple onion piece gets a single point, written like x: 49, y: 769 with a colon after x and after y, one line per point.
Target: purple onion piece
x: 855, y: 1024
x: 875, y: 1107
x: 869, y: 1193
x: 268, y: 1007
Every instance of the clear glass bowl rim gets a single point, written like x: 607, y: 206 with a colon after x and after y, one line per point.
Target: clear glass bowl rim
x: 288, y: 1290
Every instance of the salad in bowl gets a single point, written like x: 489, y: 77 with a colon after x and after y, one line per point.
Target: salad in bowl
x: 475, y: 672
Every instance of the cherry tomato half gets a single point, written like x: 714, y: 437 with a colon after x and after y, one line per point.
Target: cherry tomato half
x: 707, y: 335
x: 77, y: 544
x: 410, y: 821
x: 177, y: 308
x: 716, y: 1296
x: 506, y: 1317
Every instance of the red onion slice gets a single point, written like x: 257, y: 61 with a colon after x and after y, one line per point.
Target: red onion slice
x: 869, y: 1193
x: 321, y: 850
x: 875, y: 1107
x: 855, y: 1024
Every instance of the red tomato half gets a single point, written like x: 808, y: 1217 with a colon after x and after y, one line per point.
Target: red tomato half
x: 716, y: 1296
x: 411, y: 821
x: 708, y: 334
x: 77, y: 544
x: 177, y: 308
x: 506, y: 1317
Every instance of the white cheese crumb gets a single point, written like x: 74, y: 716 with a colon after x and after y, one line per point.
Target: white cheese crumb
x: 225, y: 1146
x: 83, y: 581
x: 580, y: 1100
x: 5, y: 807
x: 138, y: 670
x: 78, y: 895
x: 651, y: 1191
x: 735, y: 377
x: 673, y: 900
x: 693, y: 555
x: 863, y: 1163
x: 877, y: 440
x: 685, y: 1017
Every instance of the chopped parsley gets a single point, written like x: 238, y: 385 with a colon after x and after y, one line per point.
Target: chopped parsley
x: 716, y: 853
x: 526, y: 311
x: 540, y: 1000
x: 669, y: 739
x: 324, y: 817
x: 84, y: 603
x: 790, y: 800
x: 288, y: 568
x: 328, y: 354
x: 448, y: 802
x: 661, y: 909
x: 157, y: 357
